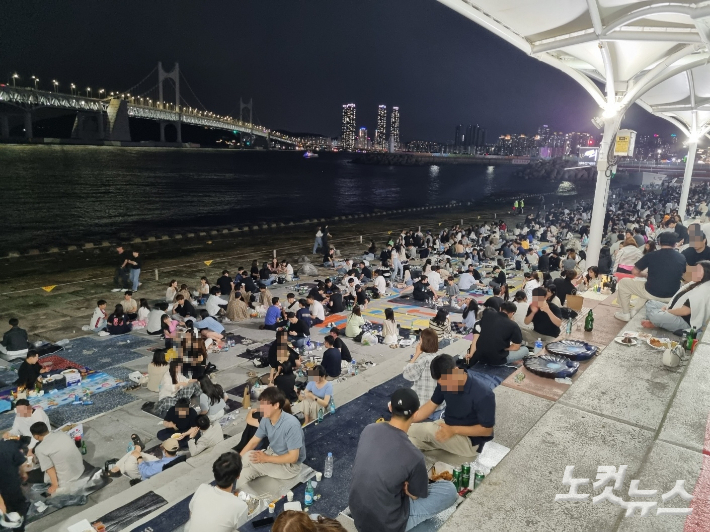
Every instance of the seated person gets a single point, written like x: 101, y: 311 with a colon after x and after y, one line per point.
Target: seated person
x: 390, y: 487
x: 14, y: 342
x: 218, y: 508
x: 469, y: 416
x: 265, y: 295
x: 565, y: 286
x: 212, y: 399
x: 178, y: 420
x: 157, y: 370
x: 98, y: 319
x: 117, y: 322
x: 25, y: 417
x: 331, y: 358
x: 497, y: 338
x: 361, y: 298
x: 215, y: 305
x: 298, y: 331
x: 355, y: 323
x: 138, y: 465
x: 287, y: 448
x: 183, y: 310
x: 316, y: 310
x: 418, y: 371
x: 284, y: 377
x: 209, y: 327
x: 350, y: 296
x: 291, y: 305
x: 335, y: 301
x: 317, y: 394
x: 422, y: 290
x: 273, y: 313
x: 304, y: 312
x: 59, y: 459
x: 545, y: 318
x: 210, y: 434
x: 29, y: 371
x: 130, y: 306
x: 155, y: 319
x: 338, y: 342
x: 690, y: 306
x: 365, y: 273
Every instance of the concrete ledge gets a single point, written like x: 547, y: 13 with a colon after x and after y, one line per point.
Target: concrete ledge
x: 33, y: 252
x: 88, y: 245
x: 71, y: 248
x: 136, y: 241
x: 178, y: 237
x: 165, y: 237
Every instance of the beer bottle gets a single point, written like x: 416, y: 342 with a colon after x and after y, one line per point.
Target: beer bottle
x: 589, y: 322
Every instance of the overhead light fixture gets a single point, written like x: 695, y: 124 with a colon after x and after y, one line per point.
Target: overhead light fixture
x: 598, y: 122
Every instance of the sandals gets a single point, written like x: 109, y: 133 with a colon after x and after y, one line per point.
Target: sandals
x: 137, y: 441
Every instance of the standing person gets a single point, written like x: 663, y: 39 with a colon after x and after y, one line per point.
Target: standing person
x: 326, y: 238
x: 319, y: 240
x: 317, y: 394
x: 515, y: 206
x: 120, y: 278
x: 59, y: 459
x: 522, y: 206
x: 287, y: 447
x: 219, y: 508
x: 418, y: 370
x: 390, y: 488
x: 469, y: 417
x: 135, y: 263
x: 663, y: 270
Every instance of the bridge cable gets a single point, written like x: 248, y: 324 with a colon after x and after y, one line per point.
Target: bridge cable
x: 141, y: 81
x: 192, y: 91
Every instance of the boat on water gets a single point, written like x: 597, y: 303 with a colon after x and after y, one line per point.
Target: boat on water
x: 310, y: 155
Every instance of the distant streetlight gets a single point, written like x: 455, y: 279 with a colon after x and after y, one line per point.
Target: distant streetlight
x: 101, y: 91
x: 36, y: 81
x: 73, y: 88
x: 56, y: 84
x: 88, y: 91
x: 14, y: 77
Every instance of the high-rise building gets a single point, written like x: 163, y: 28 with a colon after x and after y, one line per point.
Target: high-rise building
x: 347, y: 137
x: 381, y: 131
x: 481, y: 140
x: 394, y: 127
x: 468, y: 137
x: 362, y: 139
x: 458, y: 138
x: 544, y: 133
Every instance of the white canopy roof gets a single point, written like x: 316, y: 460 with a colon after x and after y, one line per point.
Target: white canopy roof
x: 655, y: 54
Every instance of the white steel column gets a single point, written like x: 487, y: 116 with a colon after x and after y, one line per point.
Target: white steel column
x: 596, y: 228
x: 687, y: 176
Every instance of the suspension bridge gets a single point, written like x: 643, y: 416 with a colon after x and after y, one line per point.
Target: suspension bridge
x: 106, y: 117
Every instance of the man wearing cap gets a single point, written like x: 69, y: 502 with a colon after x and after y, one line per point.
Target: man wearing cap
x: 663, y: 270
x: 390, y: 488
x: 139, y: 465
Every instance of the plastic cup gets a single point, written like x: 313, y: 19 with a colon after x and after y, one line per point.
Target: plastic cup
x: 289, y: 496
x: 272, y: 508
x: 319, y: 476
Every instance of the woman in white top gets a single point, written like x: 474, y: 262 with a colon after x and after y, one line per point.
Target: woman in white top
x: 171, y: 291
x: 389, y: 328
x: 627, y: 255
x: 143, y: 310
x: 532, y: 281
x: 157, y: 370
x: 521, y: 303
x: 173, y: 380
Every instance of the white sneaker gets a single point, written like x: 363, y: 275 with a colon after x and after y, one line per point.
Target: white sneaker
x: 623, y: 316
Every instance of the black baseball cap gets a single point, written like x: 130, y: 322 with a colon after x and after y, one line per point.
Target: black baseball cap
x: 404, y: 402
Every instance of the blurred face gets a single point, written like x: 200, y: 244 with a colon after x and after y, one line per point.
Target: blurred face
x: 24, y: 411
x: 537, y: 301
x: 182, y: 412
x: 453, y: 382
x: 697, y: 273
x: 697, y: 240
x: 267, y: 409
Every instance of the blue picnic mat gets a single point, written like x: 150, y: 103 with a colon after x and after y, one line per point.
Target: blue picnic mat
x: 99, y: 354
x: 492, y: 375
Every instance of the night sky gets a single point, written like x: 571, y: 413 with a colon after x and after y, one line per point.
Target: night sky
x: 301, y: 60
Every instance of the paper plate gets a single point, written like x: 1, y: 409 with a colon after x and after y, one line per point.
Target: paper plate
x: 666, y: 343
x: 620, y: 340
x: 572, y: 349
x: 551, y: 366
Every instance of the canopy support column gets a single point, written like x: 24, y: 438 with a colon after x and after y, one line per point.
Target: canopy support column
x: 687, y: 176
x: 596, y: 228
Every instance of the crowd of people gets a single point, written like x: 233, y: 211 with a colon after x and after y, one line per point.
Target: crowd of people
x: 646, y: 248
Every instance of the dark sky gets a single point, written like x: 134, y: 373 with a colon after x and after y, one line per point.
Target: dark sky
x: 301, y: 60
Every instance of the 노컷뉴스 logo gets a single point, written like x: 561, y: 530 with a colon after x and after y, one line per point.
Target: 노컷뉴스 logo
x: 608, y: 474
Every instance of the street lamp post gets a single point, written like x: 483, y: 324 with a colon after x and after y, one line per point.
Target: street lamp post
x: 101, y: 91
x: 56, y: 84
x: 73, y: 88
x: 36, y: 81
x: 14, y: 77
x: 88, y: 91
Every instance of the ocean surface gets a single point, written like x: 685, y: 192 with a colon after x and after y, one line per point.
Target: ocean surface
x: 61, y: 195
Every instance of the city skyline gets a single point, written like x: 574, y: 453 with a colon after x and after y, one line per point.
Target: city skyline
x: 498, y: 85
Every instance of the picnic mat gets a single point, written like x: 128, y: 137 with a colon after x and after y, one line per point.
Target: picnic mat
x: 111, y: 351
x: 253, y: 353
x: 122, y: 517
x: 410, y: 301
x: 47, y: 349
x: 242, y: 340
x: 493, y: 375
x: 58, y: 363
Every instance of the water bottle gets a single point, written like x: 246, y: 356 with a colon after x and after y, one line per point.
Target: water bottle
x: 538, y: 346
x: 569, y: 327
x: 353, y: 367
x: 308, y: 499
x: 328, y: 472
x: 332, y: 406
x: 320, y: 415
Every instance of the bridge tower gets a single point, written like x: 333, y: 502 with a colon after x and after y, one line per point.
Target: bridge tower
x: 175, y: 76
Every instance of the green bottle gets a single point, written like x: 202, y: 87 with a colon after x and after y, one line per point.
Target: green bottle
x: 589, y: 322
x: 691, y: 337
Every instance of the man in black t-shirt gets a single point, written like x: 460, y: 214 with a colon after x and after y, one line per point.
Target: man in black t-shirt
x: 365, y: 273
x: 698, y: 249
x: 12, y: 463
x: 120, y: 278
x: 340, y: 344
x: 29, y: 372
x: 225, y: 283
x: 178, y: 420
x: 331, y: 358
x: 497, y: 338
x: 184, y: 309
x: 663, y: 270
x: 545, y: 317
